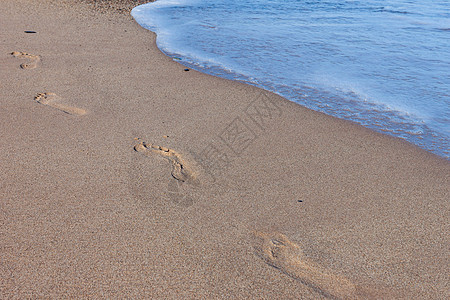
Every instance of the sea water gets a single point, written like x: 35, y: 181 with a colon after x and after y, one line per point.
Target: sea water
x: 382, y: 64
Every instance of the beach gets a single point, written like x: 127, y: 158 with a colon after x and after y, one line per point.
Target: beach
x: 127, y: 175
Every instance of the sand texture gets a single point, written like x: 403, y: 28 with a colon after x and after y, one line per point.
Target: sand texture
x: 123, y: 176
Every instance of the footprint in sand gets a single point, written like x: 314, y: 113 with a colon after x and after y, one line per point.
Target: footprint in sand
x: 34, y: 59
x: 53, y: 100
x: 183, y: 184
x: 276, y: 250
x: 180, y: 169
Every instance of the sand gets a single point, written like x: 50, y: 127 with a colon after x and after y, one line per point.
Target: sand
x: 124, y: 176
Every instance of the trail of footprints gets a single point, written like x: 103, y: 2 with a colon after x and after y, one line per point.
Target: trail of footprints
x: 33, y: 59
x: 276, y: 250
x: 50, y: 99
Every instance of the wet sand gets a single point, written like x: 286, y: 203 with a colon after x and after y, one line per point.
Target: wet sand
x: 125, y: 176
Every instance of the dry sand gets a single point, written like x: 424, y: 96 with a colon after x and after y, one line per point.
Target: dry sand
x: 125, y: 176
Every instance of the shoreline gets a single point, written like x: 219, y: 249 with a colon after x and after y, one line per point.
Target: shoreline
x: 174, y: 184
x: 385, y: 120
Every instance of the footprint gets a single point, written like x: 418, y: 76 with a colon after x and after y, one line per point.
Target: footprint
x: 276, y: 250
x: 180, y: 171
x: 51, y: 99
x: 34, y: 59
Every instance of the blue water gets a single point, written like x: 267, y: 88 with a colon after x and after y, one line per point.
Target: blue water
x: 382, y: 64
